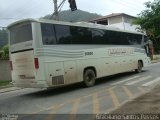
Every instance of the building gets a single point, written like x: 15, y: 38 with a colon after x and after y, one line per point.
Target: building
x: 118, y: 20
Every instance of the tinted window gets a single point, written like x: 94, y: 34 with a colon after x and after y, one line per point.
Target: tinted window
x: 116, y: 38
x: 21, y: 33
x: 63, y: 34
x: 99, y: 36
x: 48, y: 34
x: 134, y: 39
x: 81, y: 35
x: 122, y: 38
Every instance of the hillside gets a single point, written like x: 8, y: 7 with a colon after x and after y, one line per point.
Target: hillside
x: 75, y: 16
x: 66, y: 15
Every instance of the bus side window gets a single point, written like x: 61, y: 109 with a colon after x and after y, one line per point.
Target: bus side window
x: 81, y: 35
x: 48, y: 34
x: 134, y: 39
x: 116, y: 38
x: 98, y: 36
x: 63, y: 34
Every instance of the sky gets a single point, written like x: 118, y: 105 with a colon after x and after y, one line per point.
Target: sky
x: 12, y: 10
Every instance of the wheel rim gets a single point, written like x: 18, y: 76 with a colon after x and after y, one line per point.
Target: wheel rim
x: 89, y: 77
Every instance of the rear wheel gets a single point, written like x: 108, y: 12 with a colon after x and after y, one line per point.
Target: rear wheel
x: 89, y: 78
x: 139, y: 67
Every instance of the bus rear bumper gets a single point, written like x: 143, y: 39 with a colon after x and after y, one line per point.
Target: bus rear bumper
x: 41, y: 84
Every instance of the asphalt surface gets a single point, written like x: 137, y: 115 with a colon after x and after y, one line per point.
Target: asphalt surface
x: 148, y: 103
x: 77, y: 102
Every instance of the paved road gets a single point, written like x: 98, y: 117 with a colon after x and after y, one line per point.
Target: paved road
x: 108, y: 94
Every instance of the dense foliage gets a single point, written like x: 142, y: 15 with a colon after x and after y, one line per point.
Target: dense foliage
x: 3, y: 37
x: 75, y: 16
x: 4, y: 53
x: 149, y: 20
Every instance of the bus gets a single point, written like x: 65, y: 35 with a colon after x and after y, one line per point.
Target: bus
x: 48, y: 53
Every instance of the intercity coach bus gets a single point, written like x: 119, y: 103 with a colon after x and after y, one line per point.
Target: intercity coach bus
x: 48, y: 53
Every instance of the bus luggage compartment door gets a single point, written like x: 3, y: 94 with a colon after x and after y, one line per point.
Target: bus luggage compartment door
x: 55, y: 74
x: 70, y: 72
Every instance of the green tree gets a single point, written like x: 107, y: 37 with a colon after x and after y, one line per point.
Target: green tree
x: 3, y: 37
x: 4, y: 53
x: 149, y: 20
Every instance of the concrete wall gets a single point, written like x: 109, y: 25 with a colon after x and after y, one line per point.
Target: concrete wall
x: 5, y: 73
x: 118, y: 25
x: 115, y: 20
x: 155, y: 57
x: 125, y: 26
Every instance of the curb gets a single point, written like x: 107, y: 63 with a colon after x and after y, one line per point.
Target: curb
x: 3, y: 90
x: 155, y: 61
x: 6, y: 86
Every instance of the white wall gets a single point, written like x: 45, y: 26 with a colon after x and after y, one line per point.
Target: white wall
x: 130, y: 27
x: 124, y: 26
x: 117, y: 25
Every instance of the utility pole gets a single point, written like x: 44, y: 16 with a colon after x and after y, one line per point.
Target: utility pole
x: 55, y: 15
x: 58, y: 8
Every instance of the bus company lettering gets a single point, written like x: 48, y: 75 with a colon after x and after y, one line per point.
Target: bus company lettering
x: 120, y: 51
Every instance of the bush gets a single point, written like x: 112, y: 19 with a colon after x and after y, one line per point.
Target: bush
x: 4, y: 53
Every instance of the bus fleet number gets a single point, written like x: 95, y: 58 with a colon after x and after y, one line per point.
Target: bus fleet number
x: 88, y: 53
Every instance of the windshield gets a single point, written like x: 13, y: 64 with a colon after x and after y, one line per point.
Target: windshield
x: 20, y: 33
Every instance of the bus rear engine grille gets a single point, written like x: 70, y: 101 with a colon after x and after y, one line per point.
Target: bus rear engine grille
x: 58, y: 80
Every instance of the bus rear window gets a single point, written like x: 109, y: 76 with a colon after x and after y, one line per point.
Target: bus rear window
x: 21, y: 33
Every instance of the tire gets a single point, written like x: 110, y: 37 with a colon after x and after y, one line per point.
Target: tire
x: 139, y: 67
x: 89, y: 78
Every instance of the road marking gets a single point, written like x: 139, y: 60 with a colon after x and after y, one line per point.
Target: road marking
x: 152, y: 82
x: 52, y: 114
x: 74, y: 109
x: 139, y: 80
x: 71, y: 100
x: 128, y: 92
x: 108, y: 111
x: 128, y: 79
x: 96, y: 108
x: 114, y: 98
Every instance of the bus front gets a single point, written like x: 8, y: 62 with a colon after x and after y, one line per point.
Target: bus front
x: 24, y: 64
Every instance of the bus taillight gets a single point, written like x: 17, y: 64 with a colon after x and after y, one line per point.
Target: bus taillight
x: 11, y: 66
x: 36, y: 63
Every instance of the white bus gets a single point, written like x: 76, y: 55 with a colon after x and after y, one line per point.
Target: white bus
x: 47, y: 53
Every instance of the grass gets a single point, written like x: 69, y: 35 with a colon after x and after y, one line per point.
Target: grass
x: 4, y: 83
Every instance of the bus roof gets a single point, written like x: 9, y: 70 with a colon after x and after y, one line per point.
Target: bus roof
x: 79, y: 24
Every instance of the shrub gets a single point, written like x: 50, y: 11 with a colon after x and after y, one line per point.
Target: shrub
x: 4, y: 53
